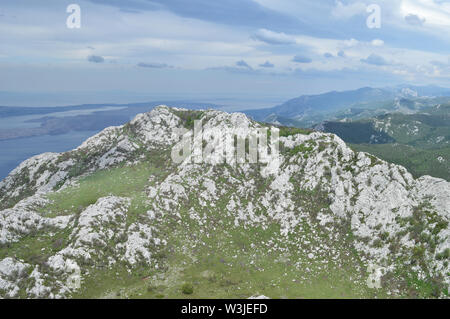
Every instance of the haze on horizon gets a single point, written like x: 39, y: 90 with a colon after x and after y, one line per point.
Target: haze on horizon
x: 132, y: 50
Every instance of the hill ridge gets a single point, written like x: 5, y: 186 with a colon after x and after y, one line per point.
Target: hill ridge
x: 118, y: 205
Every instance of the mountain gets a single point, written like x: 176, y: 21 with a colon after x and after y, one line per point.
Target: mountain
x: 427, y: 129
x: 117, y: 218
x: 419, y: 141
x: 308, y: 110
x: 330, y: 101
x: 426, y: 90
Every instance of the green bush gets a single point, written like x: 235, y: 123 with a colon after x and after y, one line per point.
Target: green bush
x: 443, y: 255
x: 187, y: 289
x: 287, y: 131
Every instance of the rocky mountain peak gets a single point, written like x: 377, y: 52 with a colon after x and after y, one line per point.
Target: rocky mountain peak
x: 119, y: 203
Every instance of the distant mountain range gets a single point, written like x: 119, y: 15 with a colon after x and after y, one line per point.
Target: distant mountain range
x: 419, y: 141
x: 429, y: 128
x: 308, y: 110
x: 406, y: 125
x: 357, y: 116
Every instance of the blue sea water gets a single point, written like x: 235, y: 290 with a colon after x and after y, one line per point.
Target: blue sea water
x: 13, y: 152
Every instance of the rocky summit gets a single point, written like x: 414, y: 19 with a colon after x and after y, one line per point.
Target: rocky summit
x: 118, y: 218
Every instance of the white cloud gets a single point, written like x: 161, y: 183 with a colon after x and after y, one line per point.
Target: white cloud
x: 194, y: 44
x: 267, y: 64
x: 96, y: 59
x: 342, y: 11
x: 414, y: 19
x: 301, y: 59
x: 271, y: 37
x: 351, y: 43
x: 377, y: 43
x: 375, y: 59
x: 433, y: 12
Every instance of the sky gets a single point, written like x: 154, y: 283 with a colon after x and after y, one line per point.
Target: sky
x: 129, y: 50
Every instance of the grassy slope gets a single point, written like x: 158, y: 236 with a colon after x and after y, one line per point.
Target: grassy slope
x: 218, y: 260
x: 215, y: 259
x: 429, y: 128
x: 223, y: 261
x: 417, y: 152
x: 418, y: 161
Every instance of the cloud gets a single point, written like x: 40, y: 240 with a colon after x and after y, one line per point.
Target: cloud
x: 375, y: 59
x: 191, y: 45
x: 234, y: 70
x: 229, y: 12
x: 443, y: 66
x: 414, y: 19
x: 96, y: 59
x: 341, y: 54
x: 267, y: 64
x: 342, y: 11
x: 351, y: 43
x: 125, y: 10
x: 240, y: 67
x: 153, y: 65
x: 301, y: 59
x: 271, y: 37
x: 243, y: 64
x: 377, y: 43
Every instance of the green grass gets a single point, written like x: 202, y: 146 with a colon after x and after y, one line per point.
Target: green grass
x: 219, y: 261
x: 417, y: 161
x: 429, y: 126
x: 288, y: 131
x: 402, y: 144
x: 126, y: 181
x: 36, y: 247
x: 215, y: 271
x: 189, y: 117
x: 356, y: 132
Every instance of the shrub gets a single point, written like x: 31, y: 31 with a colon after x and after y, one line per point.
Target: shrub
x: 287, y: 131
x: 384, y: 236
x: 443, y: 255
x: 377, y: 243
x: 187, y: 289
x: 418, y: 252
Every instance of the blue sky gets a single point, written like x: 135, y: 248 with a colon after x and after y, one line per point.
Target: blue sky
x: 223, y: 47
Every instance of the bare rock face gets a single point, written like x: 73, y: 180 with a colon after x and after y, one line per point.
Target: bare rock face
x: 329, y: 204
